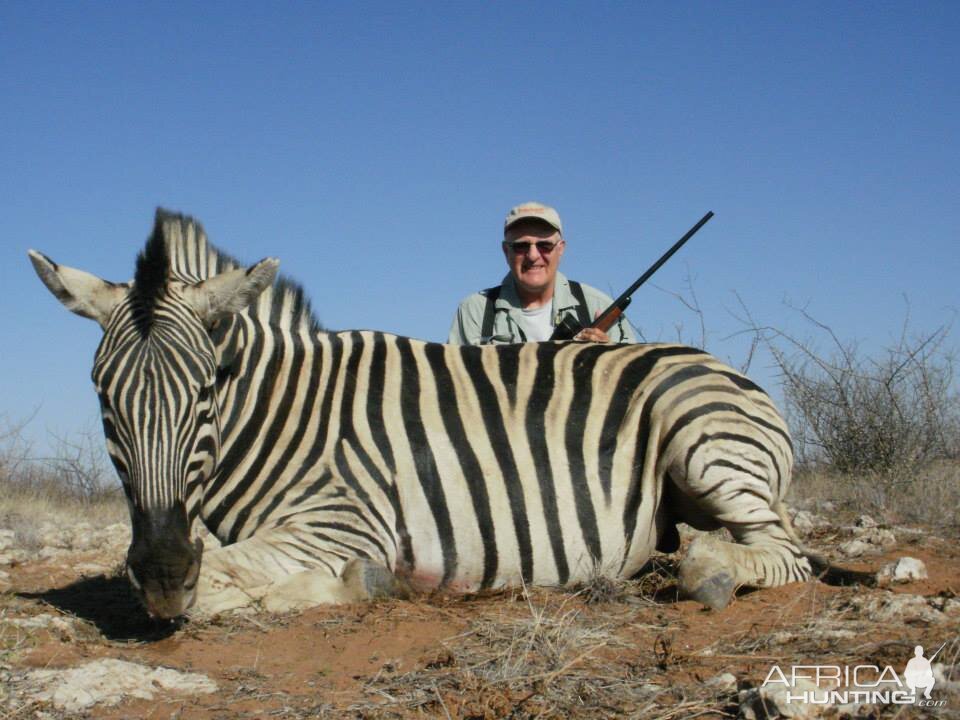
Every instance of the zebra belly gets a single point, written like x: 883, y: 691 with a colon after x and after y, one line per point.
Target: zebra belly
x: 515, y: 541
x: 428, y: 572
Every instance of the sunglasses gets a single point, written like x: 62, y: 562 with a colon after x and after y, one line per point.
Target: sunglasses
x: 522, y: 247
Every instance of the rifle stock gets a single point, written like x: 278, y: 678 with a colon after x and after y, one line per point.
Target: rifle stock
x: 606, y: 320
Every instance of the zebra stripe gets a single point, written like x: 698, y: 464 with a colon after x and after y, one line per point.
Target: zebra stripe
x: 462, y: 467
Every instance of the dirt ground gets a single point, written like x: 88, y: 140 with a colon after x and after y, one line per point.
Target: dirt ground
x: 609, y: 650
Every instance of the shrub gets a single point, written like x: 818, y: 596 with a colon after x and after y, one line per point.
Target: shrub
x: 857, y: 412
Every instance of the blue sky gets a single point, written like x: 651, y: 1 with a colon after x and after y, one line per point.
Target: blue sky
x: 374, y: 148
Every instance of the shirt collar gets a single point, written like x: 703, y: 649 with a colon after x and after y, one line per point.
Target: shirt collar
x: 510, y: 300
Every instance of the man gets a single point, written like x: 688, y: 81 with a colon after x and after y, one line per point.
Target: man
x: 534, y: 296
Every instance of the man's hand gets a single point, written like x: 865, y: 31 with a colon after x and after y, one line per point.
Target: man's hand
x: 592, y: 335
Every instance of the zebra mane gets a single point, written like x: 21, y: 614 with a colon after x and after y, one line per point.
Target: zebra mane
x: 150, y: 277
x: 178, y: 249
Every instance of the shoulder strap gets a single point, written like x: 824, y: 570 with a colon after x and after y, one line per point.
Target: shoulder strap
x: 583, y: 312
x: 486, y: 329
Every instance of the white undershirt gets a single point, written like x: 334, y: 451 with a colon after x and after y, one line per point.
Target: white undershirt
x: 536, y: 323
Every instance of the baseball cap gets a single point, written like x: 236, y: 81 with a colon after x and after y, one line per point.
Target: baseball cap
x: 533, y: 210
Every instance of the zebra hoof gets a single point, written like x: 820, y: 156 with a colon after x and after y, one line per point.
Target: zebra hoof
x: 715, y: 592
x: 375, y: 581
x: 704, y: 576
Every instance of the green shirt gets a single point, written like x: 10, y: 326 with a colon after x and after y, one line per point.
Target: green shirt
x: 508, y: 313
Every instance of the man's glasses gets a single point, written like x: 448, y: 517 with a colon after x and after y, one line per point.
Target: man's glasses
x: 522, y: 247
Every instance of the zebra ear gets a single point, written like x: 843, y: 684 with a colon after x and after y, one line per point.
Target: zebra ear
x: 82, y: 293
x: 232, y: 291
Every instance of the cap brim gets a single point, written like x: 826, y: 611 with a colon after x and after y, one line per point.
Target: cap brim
x: 538, y: 218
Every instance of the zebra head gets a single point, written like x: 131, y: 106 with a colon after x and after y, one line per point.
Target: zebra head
x: 155, y: 372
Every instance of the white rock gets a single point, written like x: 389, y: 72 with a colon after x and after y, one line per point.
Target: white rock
x: 44, y: 621
x: 889, y: 606
x: 948, y: 606
x: 803, y: 522
x: 109, y: 682
x: 724, y: 682
x: 865, y: 521
x: 903, y: 570
x: 876, y: 536
x: 855, y: 548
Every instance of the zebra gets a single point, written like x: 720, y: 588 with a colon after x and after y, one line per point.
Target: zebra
x: 335, y: 467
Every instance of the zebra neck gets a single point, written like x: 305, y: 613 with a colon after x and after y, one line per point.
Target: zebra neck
x: 271, y: 382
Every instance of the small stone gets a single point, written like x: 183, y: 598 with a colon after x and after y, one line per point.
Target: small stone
x: 779, y: 697
x: 876, y: 536
x: 887, y: 606
x: 724, y: 682
x: 905, y: 569
x: 803, y: 522
x: 948, y: 606
x: 854, y: 548
x: 773, y: 701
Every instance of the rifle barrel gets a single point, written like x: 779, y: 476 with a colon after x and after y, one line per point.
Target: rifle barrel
x: 625, y: 296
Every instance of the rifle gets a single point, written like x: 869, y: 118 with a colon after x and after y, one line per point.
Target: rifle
x: 570, y: 326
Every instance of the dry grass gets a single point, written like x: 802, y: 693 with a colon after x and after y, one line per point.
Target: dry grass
x: 75, y: 483
x: 550, y: 660
x: 25, y: 509
x: 927, y: 495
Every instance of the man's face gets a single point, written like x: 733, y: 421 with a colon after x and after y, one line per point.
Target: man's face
x: 533, y: 268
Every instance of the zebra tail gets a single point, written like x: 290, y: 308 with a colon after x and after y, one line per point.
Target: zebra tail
x: 824, y: 570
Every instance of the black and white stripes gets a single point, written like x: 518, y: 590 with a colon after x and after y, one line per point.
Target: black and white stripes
x: 451, y: 466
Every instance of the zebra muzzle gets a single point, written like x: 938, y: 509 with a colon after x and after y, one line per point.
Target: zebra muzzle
x: 163, y: 565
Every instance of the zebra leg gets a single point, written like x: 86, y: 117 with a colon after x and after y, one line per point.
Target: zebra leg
x: 360, y: 580
x: 765, y: 554
x: 266, y: 571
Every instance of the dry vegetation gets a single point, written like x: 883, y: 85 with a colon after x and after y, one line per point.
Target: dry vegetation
x: 875, y: 436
